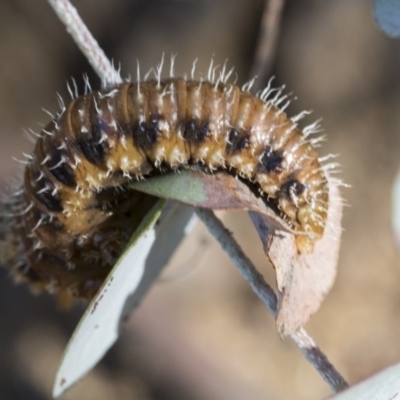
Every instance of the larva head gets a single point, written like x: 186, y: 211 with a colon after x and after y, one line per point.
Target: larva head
x: 307, y: 205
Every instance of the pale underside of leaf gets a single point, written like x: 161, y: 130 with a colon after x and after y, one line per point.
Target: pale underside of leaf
x: 385, y: 385
x: 387, y: 16
x: 136, y: 270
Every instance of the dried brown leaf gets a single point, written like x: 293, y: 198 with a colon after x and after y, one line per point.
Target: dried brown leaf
x: 303, y: 280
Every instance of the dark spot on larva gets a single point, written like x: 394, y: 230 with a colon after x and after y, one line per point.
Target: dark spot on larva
x: 145, y: 135
x: 271, y: 160
x: 63, y: 172
x: 93, y: 152
x: 237, y: 141
x: 292, y: 187
x: 100, y: 127
x: 139, y: 133
x: 124, y: 128
x: 153, y: 129
x: 196, y: 131
x: 91, y: 143
x: 50, y: 200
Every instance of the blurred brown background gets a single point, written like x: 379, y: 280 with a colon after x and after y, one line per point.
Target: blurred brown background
x: 201, y: 333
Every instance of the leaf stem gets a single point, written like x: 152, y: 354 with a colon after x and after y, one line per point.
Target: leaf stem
x: 267, y: 295
x: 68, y: 14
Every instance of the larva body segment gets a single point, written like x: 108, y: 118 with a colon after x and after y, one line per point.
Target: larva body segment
x: 75, y: 200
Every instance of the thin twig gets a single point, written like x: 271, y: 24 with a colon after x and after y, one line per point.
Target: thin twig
x: 86, y: 42
x: 249, y: 272
x: 266, y: 45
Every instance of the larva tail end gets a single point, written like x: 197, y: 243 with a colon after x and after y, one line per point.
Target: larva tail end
x: 305, y: 244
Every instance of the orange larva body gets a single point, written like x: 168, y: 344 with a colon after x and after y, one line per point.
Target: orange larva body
x: 74, y: 197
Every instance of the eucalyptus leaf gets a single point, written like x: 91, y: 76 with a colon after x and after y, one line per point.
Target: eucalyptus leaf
x: 387, y: 16
x: 136, y: 270
x: 385, y: 385
x: 217, y: 191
